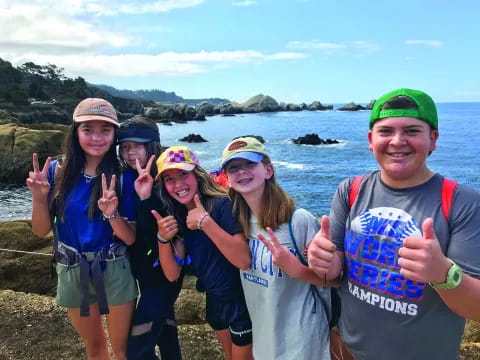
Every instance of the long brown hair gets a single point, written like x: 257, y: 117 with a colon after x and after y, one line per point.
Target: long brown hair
x: 277, y: 205
x: 207, y: 189
x: 71, y: 167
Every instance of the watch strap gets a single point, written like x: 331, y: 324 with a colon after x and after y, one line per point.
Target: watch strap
x: 454, y: 277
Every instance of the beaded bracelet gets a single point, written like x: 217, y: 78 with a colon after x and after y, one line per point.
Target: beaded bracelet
x: 305, y: 253
x: 200, y: 220
x: 161, y: 240
x: 111, y: 217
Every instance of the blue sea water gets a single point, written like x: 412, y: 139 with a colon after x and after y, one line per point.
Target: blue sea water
x: 311, y: 173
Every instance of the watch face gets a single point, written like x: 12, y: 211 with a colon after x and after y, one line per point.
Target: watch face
x: 456, y: 276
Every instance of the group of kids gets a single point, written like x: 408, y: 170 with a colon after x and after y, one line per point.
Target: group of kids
x: 401, y: 244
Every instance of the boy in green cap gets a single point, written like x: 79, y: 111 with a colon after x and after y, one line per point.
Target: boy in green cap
x: 407, y: 241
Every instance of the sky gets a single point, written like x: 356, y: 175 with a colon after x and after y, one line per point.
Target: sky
x: 296, y: 51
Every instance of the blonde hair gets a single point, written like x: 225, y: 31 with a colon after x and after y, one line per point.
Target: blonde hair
x: 277, y: 205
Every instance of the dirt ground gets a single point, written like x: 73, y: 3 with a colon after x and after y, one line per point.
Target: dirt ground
x: 33, y: 327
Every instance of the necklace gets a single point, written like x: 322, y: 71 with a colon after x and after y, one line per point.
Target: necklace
x: 88, y: 178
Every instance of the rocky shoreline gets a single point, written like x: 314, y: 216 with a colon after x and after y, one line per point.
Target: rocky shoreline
x: 35, y: 328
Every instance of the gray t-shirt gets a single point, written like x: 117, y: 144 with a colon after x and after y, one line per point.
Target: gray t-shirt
x: 384, y: 315
x: 289, y: 321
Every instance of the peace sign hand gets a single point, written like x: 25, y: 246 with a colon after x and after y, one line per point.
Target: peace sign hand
x: 37, y: 180
x: 144, y: 182
x: 281, y: 257
x: 109, y: 201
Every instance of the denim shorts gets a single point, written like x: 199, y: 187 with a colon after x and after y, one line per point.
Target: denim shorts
x: 120, y: 286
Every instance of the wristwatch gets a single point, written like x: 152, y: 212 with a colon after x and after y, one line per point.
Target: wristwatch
x: 454, y: 278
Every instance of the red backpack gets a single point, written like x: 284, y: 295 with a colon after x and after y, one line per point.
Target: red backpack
x: 448, y: 189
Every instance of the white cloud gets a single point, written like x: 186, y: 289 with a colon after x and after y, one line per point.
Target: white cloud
x: 315, y: 45
x: 244, y: 3
x: 27, y: 28
x: 164, y: 64
x: 40, y: 32
x: 154, y: 7
x: 100, y: 7
x: 358, y: 48
x: 429, y: 43
x: 365, y: 46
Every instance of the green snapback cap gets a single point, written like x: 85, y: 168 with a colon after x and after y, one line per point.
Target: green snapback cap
x: 426, y: 109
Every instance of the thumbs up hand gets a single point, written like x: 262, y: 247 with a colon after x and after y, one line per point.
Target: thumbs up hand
x: 321, y: 250
x: 167, y: 226
x: 422, y: 258
x: 196, y: 215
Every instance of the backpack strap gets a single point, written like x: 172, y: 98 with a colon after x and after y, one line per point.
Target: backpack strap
x: 354, y: 188
x: 53, y: 221
x: 313, y: 288
x: 298, y: 253
x: 448, y: 190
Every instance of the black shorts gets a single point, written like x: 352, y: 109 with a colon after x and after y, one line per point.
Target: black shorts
x: 233, y: 315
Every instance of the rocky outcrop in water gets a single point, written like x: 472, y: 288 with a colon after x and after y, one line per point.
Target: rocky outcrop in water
x: 370, y: 105
x: 317, y: 105
x: 260, y: 103
x: 193, y: 138
x: 313, y: 139
x: 351, y: 107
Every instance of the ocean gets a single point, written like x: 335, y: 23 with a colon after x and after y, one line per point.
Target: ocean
x: 310, y: 174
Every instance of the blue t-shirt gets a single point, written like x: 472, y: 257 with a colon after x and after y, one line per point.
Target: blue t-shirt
x: 219, y: 277
x: 77, y: 230
x: 129, y: 196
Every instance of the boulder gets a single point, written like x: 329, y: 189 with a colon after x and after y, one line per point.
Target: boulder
x: 199, y: 117
x: 317, y: 105
x: 193, y: 138
x: 19, y: 141
x: 229, y: 108
x: 313, y: 139
x: 292, y: 107
x: 351, y: 107
x: 6, y: 117
x: 43, y: 116
x: 370, y: 105
x: 179, y: 113
x: 205, y: 108
x: 22, y: 271
x: 260, y: 103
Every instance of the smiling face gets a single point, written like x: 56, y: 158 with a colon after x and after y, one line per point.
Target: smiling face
x: 401, y: 146
x: 95, y: 137
x: 181, y: 185
x: 131, y: 150
x: 247, y: 177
